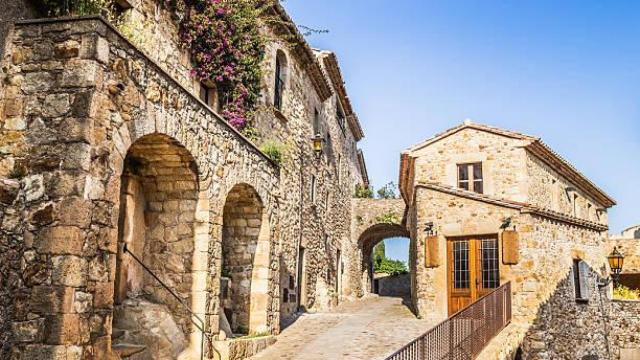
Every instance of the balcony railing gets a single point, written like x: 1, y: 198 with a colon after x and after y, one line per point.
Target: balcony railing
x: 464, y: 334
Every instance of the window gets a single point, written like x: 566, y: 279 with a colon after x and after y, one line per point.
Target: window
x: 461, y: 265
x: 316, y: 122
x: 581, y: 280
x: 490, y: 265
x: 281, y: 72
x: 575, y: 205
x: 470, y: 177
x: 313, y: 189
x: 341, y: 118
x: 209, y: 95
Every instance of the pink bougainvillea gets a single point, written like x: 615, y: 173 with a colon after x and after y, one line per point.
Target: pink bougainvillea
x: 227, y: 48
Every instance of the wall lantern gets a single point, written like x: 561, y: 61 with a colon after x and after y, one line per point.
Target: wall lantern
x: 317, y: 145
x: 616, y: 262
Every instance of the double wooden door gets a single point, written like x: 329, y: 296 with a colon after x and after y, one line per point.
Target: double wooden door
x: 473, y: 270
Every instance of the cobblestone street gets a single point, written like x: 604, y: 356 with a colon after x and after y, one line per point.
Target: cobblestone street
x: 366, y: 329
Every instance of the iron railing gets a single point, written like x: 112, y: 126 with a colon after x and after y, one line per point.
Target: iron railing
x: 199, y: 324
x: 464, y: 334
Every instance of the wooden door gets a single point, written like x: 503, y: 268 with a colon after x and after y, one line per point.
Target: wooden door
x: 472, y: 269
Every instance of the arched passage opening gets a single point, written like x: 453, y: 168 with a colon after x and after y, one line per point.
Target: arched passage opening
x: 367, y: 242
x: 244, y: 288
x: 156, y: 234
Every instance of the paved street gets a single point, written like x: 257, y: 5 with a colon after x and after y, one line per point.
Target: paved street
x: 366, y: 329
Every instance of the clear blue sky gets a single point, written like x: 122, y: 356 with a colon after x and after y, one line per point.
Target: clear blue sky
x: 567, y: 71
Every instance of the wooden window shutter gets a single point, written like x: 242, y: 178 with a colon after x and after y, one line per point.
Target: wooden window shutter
x: 432, y: 258
x: 510, y: 247
x: 583, y: 270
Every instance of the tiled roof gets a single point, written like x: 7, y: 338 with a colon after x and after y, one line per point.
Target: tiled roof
x: 524, y: 208
x: 332, y: 68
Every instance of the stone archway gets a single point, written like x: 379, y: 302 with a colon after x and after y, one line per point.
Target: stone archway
x: 245, y: 265
x: 157, y: 227
x: 368, y: 240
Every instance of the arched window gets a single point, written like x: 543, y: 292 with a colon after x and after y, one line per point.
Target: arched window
x: 280, y: 78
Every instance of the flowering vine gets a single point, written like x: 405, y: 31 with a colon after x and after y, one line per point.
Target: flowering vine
x: 227, y: 49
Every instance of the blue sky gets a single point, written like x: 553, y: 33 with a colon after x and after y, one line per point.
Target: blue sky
x: 567, y: 71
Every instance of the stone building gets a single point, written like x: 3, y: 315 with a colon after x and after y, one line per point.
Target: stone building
x: 112, y: 156
x: 628, y: 243
x: 465, y: 189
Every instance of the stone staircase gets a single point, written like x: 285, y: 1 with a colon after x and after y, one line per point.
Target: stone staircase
x: 122, y: 349
x: 143, y: 330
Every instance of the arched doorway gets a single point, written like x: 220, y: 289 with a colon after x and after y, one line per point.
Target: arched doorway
x: 244, y: 288
x: 156, y: 234
x: 371, y: 237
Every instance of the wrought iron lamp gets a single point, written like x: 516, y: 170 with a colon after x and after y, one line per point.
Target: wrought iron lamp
x: 317, y: 145
x: 616, y: 262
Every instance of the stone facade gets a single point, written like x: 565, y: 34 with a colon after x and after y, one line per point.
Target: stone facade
x: 559, y: 216
x: 373, y: 220
x: 628, y: 243
x: 105, y: 144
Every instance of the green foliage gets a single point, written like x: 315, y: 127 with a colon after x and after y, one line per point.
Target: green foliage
x: 389, y: 191
x: 388, y: 218
x: 251, y: 133
x: 379, y: 254
x: 382, y: 264
x: 621, y: 292
x: 363, y: 192
x: 391, y: 267
x: 274, y: 150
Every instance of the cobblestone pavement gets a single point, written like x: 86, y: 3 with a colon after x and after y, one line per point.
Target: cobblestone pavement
x: 371, y: 328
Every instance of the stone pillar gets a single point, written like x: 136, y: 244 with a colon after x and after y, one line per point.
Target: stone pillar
x: 58, y: 229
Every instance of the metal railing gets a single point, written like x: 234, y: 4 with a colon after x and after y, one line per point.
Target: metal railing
x: 199, y: 324
x: 466, y: 333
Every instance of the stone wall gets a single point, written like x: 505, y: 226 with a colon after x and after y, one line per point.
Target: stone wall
x: 543, y: 297
x: 394, y: 285
x: 548, y: 189
x: 11, y: 11
x: 78, y: 97
x: 373, y: 220
x: 624, y: 327
x: 503, y: 162
x: 321, y: 225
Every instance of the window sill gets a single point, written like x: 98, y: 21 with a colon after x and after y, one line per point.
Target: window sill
x: 279, y: 114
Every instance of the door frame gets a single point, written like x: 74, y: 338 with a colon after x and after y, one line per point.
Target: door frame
x: 475, y: 268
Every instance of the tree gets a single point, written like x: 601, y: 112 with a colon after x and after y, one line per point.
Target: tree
x: 379, y: 254
x: 389, y: 191
x: 363, y: 192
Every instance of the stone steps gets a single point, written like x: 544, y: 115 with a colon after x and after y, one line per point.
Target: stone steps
x: 127, y: 350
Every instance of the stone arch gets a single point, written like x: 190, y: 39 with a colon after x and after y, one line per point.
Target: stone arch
x: 160, y: 225
x: 368, y: 240
x: 245, y: 265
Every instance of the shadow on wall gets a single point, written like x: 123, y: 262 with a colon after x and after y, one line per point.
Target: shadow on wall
x: 579, y: 323
x: 393, y: 285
